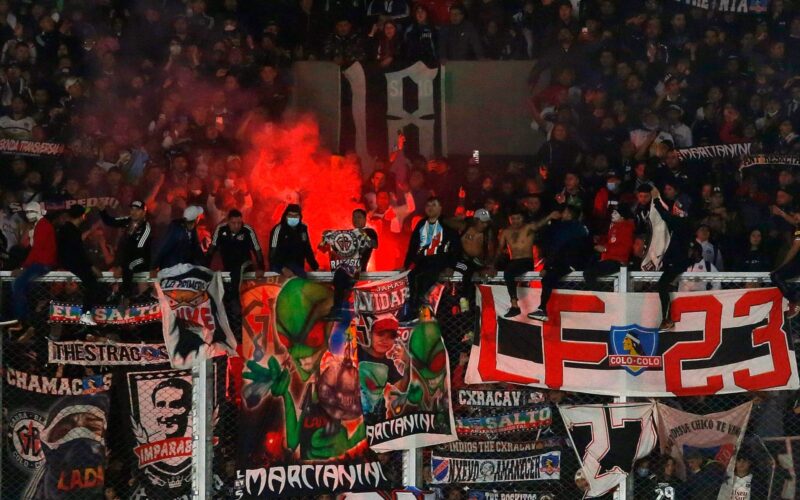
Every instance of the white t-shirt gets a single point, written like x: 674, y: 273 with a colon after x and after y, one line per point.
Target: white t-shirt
x: 16, y: 129
x: 737, y: 488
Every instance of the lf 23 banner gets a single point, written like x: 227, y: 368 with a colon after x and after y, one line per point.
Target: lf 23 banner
x: 55, y: 435
x: 301, y: 425
x: 403, y: 370
x: 194, y: 321
x: 605, y: 343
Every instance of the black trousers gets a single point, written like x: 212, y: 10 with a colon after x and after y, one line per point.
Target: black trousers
x: 515, y: 269
x: 91, y: 288
x: 669, y: 273
x: 424, y: 275
x: 553, y: 272
x: 598, y: 270
x: 342, y: 284
x: 128, y: 270
x: 784, y: 273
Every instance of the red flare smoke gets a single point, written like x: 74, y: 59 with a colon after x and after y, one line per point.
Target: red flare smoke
x: 288, y: 165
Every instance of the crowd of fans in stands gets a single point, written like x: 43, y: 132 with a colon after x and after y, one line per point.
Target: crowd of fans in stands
x: 155, y: 102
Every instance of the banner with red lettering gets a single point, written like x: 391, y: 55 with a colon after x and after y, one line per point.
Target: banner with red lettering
x: 55, y: 435
x: 403, y: 369
x: 301, y: 427
x: 713, y: 440
x: 194, y: 320
x: 157, y: 408
x: 607, y: 343
x: 30, y: 148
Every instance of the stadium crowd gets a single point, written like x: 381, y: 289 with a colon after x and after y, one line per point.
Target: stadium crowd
x: 155, y: 102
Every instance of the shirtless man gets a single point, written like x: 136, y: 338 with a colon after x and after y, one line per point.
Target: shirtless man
x: 517, y: 240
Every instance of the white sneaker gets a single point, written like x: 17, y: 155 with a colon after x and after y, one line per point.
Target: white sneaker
x: 87, y: 319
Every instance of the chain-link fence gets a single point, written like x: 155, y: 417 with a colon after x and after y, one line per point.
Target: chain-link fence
x: 147, y: 407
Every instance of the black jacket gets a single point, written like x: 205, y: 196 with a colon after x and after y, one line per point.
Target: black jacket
x: 236, y: 248
x: 441, y: 252
x: 290, y: 245
x: 71, y: 251
x: 135, y: 244
x: 181, y: 246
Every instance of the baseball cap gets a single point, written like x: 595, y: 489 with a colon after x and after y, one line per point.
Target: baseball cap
x: 192, y: 212
x: 384, y: 323
x: 482, y: 215
x: 137, y: 204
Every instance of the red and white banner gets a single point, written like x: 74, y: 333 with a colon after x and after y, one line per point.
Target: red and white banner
x: 607, y: 343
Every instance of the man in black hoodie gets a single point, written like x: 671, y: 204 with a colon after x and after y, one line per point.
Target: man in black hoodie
x: 433, y: 248
x: 74, y: 258
x: 181, y: 244
x: 289, y: 245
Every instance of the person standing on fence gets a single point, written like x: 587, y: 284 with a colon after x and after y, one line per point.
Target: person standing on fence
x: 41, y: 258
x: 74, y: 258
x: 237, y: 243
x: 290, y: 246
x: 133, y: 254
x: 569, y: 247
x: 789, y: 268
x: 678, y: 256
x: 432, y: 251
x: 478, y: 248
x: 517, y: 241
x: 181, y: 243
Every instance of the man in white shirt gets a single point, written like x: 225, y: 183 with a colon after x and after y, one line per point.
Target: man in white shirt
x: 699, y: 265
x: 741, y: 486
x: 17, y: 125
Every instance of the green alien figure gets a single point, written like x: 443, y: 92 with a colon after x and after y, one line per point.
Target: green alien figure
x: 329, y: 397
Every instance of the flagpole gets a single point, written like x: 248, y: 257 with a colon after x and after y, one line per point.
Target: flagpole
x: 202, y: 432
x: 621, y: 286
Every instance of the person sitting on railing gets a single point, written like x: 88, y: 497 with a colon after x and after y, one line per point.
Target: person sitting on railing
x: 789, y: 268
x: 40, y: 260
x: 568, y: 250
x: 237, y: 243
x: 74, y: 258
x: 181, y: 244
x: 432, y: 251
x: 290, y: 246
x: 133, y: 254
x: 350, y: 251
x: 615, y: 248
x: 517, y: 243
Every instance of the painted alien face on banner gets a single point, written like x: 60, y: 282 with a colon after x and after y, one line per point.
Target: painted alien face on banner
x: 428, y: 355
x: 373, y: 378
x: 299, y: 309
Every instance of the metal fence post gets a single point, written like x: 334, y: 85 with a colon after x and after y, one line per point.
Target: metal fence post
x: 411, y: 463
x: 202, y: 430
x: 625, y: 489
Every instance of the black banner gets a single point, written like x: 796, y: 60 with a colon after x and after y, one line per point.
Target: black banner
x: 55, y: 443
x: 523, y: 463
x: 159, y: 404
x: 499, y: 398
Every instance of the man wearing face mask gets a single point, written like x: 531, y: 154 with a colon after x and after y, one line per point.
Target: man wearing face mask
x: 40, y: 260
x: 290, y: 246
x: 615, y: 248
x: 181, y: 243
x: 605, y: 200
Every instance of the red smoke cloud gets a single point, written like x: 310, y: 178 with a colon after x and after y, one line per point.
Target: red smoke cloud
x: 288, y: 165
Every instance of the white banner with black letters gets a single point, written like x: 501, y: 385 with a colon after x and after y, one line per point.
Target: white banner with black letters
x: 608, y: 439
